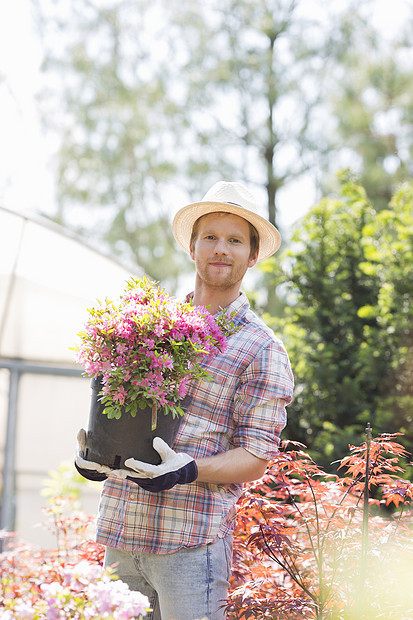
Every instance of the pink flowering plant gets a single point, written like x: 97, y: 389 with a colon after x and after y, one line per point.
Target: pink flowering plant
x: 66, y: 582
x: 38, y: 585
x: 147, y: 347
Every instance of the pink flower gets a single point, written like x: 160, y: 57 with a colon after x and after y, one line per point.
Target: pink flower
x: 120, y: 394
x: 167, y: 361
x: 155, y: 378
x: 158, y: 330
x: 23, y: 611
x: 183, y: 387
x: 119, y: 361
x: 115, y: 598
x: 145, y: 344
x: 79, y: 575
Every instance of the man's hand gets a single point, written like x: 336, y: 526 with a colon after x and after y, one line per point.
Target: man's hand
x: 88, y: 469
x: 175, y: 468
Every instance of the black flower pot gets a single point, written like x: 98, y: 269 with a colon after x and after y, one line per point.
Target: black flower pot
x: 110, y: 441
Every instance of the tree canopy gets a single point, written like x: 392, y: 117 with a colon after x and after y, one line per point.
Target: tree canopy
x: 348, y: 280
x: 154, y: 102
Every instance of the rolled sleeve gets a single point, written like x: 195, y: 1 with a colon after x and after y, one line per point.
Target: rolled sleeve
x: 265, y: 391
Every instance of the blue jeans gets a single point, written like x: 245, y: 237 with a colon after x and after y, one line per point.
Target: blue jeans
x: 188, y: 584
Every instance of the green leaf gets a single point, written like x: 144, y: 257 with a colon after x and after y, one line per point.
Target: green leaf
x: 367, y: 312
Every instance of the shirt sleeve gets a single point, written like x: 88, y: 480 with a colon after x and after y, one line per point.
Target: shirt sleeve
x: 265, y: 391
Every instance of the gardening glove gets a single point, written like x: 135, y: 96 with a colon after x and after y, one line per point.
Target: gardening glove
x: 175, y: 468
x: 88, y: 469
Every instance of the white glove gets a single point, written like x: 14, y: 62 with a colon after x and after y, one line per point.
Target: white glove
x: 175, y: 468
x: 171, y: 461
x: 82, y: 464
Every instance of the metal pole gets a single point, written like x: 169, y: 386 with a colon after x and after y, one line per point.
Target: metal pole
x: 365, y: 529
x: 8, y: 500
x: 41, y: 369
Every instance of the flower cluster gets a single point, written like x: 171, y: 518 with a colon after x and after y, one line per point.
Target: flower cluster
x: 65, y: 582
x: 148, y: 347
x: 59, y: 591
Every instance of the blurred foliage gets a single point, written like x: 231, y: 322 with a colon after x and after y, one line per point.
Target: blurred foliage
x: 348, y: 283
x: 66, y: 482
x: 372, y: 103
x: 146, y: 98
x: 154, y: 102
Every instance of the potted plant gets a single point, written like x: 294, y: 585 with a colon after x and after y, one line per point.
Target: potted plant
x: 141, y: 353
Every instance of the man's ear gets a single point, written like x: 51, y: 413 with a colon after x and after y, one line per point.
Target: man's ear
x: 253, y: 260
x: 191, y: 252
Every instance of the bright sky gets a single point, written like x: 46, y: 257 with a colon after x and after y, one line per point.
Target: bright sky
x: 26, y: 157
x: 26, y: 181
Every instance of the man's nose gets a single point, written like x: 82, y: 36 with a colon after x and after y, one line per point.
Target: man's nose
x: 221, y: 247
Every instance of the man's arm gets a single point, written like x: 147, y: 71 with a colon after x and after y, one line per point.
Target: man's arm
x: 235, y: 466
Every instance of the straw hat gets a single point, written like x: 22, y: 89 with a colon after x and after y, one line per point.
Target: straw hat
x: 231, y: 198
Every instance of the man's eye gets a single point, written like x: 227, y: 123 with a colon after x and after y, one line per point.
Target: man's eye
x: 235, y: 241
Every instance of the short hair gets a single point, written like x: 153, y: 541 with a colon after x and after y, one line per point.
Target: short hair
x: 254, y: 236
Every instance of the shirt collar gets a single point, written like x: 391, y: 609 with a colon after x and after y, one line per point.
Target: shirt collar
x: 239, y: 306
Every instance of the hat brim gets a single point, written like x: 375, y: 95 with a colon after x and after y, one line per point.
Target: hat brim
x: 185, y: 218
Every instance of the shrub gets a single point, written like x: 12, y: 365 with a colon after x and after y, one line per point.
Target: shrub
x: 66, y: 582
x: 308, y: 545
x: 305, y: 549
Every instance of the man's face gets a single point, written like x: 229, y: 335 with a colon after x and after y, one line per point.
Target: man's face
x: 221, y: 250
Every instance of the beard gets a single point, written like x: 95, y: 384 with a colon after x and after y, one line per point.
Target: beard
x: 223, y: 278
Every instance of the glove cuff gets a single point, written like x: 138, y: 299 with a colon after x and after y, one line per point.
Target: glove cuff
x: 89, y: 474
x: 189, y: 473
x: 186, y: 474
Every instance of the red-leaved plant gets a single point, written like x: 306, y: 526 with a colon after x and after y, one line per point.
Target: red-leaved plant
x: 298, y: 550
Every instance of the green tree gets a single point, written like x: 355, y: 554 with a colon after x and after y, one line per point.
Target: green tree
x: 372, y: 104
x: 160, y: 94
x: 254, y: 77
x: 170, y: 94
x: 349, y: 286
x: 113, y: 109
x: 251, y: 76
x: 388, y: 247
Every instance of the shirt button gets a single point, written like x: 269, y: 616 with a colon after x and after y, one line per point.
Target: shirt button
x: 132, y: 497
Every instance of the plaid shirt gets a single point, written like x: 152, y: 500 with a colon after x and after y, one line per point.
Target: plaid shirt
x: 243, y: 405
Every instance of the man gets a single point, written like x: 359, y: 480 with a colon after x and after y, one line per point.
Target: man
x: 169, y: 527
